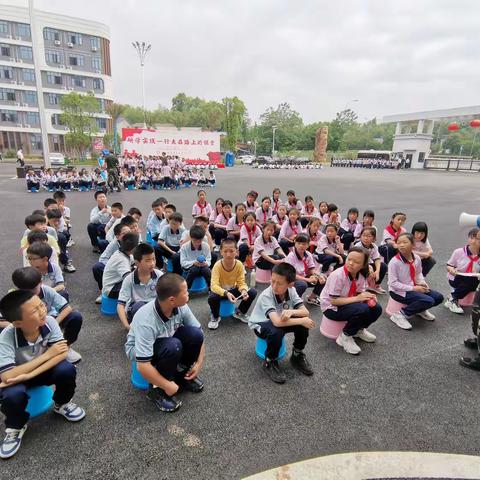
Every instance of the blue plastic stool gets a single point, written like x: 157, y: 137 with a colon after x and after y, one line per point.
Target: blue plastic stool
x: 149, y: 239
x: 40, y: 400
x: 262, y: 346
x: 131, y: 187
x: 227, y: 308
x: 109, y: 306
x: 137, y: 380
x: 199, y: 285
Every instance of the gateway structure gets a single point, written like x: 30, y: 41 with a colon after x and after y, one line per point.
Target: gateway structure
x: 413, y: 145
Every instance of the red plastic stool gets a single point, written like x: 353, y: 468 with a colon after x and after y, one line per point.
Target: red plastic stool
x: 393, y: 307
x: 331, y: 328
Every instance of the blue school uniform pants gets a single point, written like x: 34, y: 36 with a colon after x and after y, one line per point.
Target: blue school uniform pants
x: 417, y: 302
x: 181, y: 349
x: 14, y: 399
x: 274, y: 337
x: 214, y: 301
x: 462, y: 286
x: 357, y: 315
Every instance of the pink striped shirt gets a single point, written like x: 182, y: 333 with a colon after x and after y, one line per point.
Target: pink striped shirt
x: 249, y: 239
x: 201, y: 210
x: 287, y: 231
x: 263, y: 216
x: 260, y: 246
x: 399, y: 279
x: 459, y: 259
x: 338, y: 286
x: 302, y: 265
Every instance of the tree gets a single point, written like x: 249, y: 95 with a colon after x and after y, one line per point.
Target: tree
x: 78, y: 117
x: 115, y: 110
x: 234, y: 115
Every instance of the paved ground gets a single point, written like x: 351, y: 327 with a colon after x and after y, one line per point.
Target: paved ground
x: 406, y: 392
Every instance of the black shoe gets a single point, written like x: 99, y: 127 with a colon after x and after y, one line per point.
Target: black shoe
x: 471, y: 343
x: 300, y: 362
x: 96, y: 250
x: 195, y: 386
x: 473, y: 363
x: 272, y: 369
x: 162, y: 401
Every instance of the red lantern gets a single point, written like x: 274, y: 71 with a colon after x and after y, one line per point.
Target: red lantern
x: 453, y: 127
x: 475, y: 123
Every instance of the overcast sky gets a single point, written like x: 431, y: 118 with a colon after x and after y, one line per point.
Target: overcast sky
x: 393, y: 56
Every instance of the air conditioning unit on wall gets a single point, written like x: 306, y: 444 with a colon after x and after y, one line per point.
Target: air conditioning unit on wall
x: 57, y: 42
x: 70, y: 44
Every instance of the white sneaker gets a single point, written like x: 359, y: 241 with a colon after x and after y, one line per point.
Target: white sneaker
x: 453, y: 306
x: 98, y: 300
x: 213, y: 323
x: 348, y: 344
x: 426, y: 315
x: 69, y: 268
x: 70, y: 411
x: 243, y: 317
x: 73, y: 356
x: 12, y: 441
x: 71, y: 242
x: 401, y: 321
x: 365, y: 335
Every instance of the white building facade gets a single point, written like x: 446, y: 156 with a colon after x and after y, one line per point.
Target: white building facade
x: 73, y: 55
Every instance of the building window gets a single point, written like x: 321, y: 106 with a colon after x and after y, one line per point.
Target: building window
x: 24, y: 30
x: 53, y: 99
x: 74, y: 38
x: 54, y: 78
x: 7, y: 95
x: 101, y: 104
x: 95, y: 43
x: 101, y: 123
x: 76, y: 60
x: 53, y: 57
x: 57, y: 119
x: 96, y: 63
x: 51, y: 34
x: 79, y: 81
x: 5, y: 50
x: 3, y: 27
x: 25, y: 53
x: 36, y: 141
x: 33, y: 118
x: 6, y: 72
x: 97, y: 84
x: 8, y: 116
x: 28, y: 75
x: 31, y: 97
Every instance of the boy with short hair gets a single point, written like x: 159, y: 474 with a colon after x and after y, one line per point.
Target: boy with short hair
x: 119, y: 266
x: 279, y: 310
x: 70, y: 321
x: 38, y: 254
x: 195, y: 256
x: 166, y: 342
x: 119, y: 231
x: 170, y: 236
x: 138, y: 287
x: 54, y: 217
x: 117, y: 215
x: 228, y: 282
x: 60, y: 198
x: 155, y: 217
x: 37, y: 222
x: 42, y: 237
x: 99, y: 217
x: 22, y: 366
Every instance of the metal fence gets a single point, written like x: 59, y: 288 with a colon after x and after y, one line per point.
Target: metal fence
x: 454, y: 164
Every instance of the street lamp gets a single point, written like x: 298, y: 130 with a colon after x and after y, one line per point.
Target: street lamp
x: 274, y: 127
x: 142, y: 49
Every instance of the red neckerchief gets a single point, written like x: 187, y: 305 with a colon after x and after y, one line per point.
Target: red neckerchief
x: 294, y: 205
x: 353, y: 286
x: 472, y: 258
x: 275, y: 205
x: 239, y: 225
x: 394, y: 233
x: 264, y: 215
x: 281, y: 220
x: 295, y: 228
x: 411, y: 265
x: 354, y: 225
x: 202, y: 209
x: 250, y: 233
x: 305, y: 263
x: 307, y: 209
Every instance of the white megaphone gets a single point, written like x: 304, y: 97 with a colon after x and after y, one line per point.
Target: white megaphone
x: 467, y: 220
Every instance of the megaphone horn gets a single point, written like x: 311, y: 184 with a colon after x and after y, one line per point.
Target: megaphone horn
x: 467, y: 220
